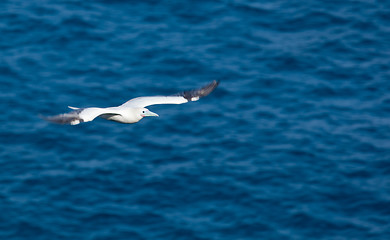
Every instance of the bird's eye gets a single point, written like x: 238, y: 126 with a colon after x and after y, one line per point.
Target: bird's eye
x: 143, y: 111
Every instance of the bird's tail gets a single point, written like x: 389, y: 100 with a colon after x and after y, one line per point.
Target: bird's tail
x: 74, y: 108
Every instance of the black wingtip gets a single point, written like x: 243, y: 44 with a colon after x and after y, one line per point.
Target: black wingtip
x: 63, y: 119
x: 194, y: 95
x: 71, y: 118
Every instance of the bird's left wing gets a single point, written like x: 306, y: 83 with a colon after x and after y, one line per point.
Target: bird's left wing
x: 183, y: 97
x: 81, y: 115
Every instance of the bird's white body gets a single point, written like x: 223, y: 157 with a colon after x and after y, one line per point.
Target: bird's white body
x: 120, y: 114
x: 131, y: 111
x: 124, y: 115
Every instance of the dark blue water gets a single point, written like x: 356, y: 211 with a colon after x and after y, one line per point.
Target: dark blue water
x: 294, y: 143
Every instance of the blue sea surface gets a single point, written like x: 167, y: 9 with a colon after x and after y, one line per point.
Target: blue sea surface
x: 293, y: 144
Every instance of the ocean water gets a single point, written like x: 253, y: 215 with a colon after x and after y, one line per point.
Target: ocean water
x: 293, y: 144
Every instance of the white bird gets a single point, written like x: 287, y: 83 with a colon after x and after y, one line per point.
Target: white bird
x: 131, y: 111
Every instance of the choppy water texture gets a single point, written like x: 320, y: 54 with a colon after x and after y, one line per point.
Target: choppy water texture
x: 294, y: 144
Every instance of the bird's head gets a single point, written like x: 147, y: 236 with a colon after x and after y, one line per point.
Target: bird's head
x: 146, y: 113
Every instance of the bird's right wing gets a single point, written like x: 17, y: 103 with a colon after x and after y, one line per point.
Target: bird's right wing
x: 80, y: 115
x: 183, y: 97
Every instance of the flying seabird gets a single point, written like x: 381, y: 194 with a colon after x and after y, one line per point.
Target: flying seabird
x: 131, y: 111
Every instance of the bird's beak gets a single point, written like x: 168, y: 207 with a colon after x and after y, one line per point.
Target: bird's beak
x: 150, y: 114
